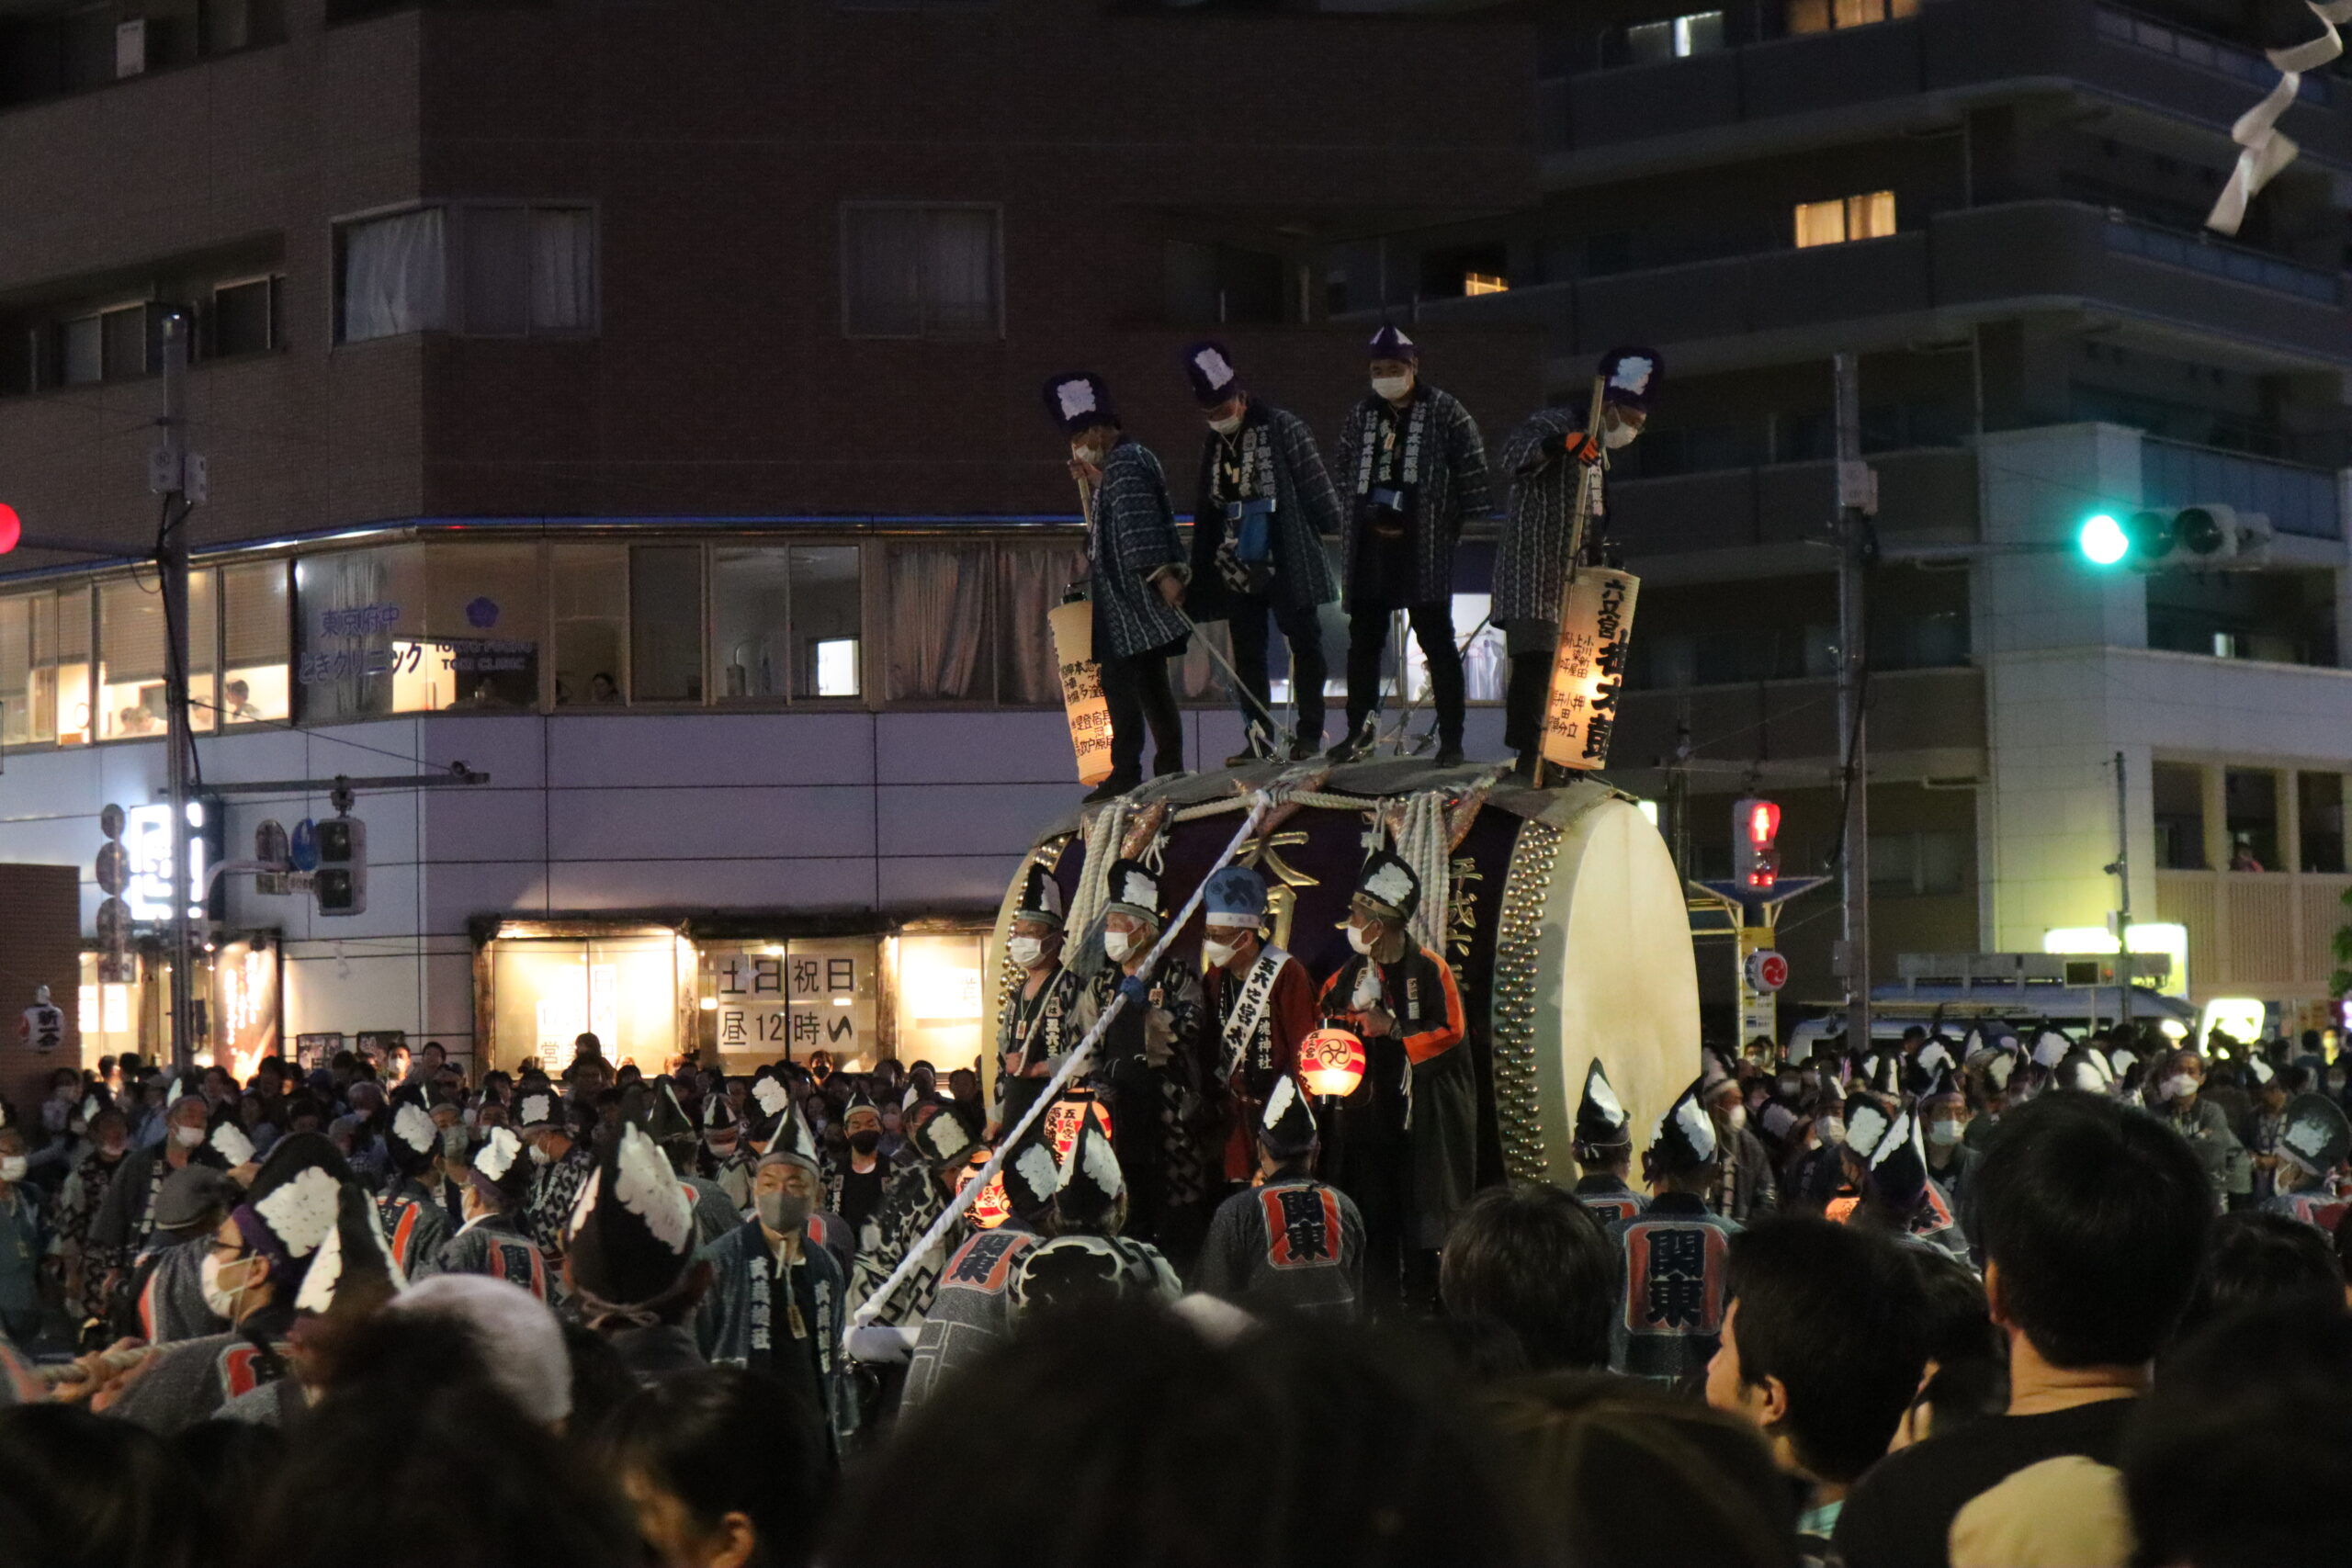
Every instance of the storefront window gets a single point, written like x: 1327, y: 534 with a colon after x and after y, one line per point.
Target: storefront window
x: 590, y: 617
x: 785, y: 621
x: 938, y: 997
x: 254, y: 633
x: 766, y: 1001
x: 418, y: 628
x: 109, y: 1015
x: 546, y: 992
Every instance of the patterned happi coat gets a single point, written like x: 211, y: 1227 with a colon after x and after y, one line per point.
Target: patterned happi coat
x: 168, y: 1287
x: 1531, y: 558
x: 751, y: 1317
x: 495, y: 1245
x: 1157, y: 1057
x: 1433, y: 449
x: 189, y: 1382
x: 1134, y: 536
x: 971, y: 1313
x: 1673, y: 1279
x: 417, y: 1227
x: 1271, y: 457
x: 1609, y: 1199
x: 908, y: 1210
x: 1292, y: 1245
x: 554, y: 1189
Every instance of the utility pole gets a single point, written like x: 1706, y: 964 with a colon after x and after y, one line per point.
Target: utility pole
x: 1857, y: 547
x: 167, y: 475
x: 2121, y: 870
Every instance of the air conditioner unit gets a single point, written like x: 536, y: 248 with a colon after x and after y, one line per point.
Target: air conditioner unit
x: 130, y: 48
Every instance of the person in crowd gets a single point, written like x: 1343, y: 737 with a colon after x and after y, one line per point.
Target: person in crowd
x: 1748, y: 1186
x: 1604, y: 1150
x: 1409, y: 1132
x: 2255, y: 1259
x: 1152, y: 1061
x: 1137, y: 580
x: 414, y: 1220
x: 1290, y: 1243
x: 1535, y: 1261
x: 1605, y: 1471
x: 126, y: 1218
x: 944, y: 1136
x: 1261, y: 1001
x: 1090, y: 1256
x: 1967, y: 1375
x: 628, y: 1262
x: 855, y: 1183
x: 2095, y: 1219
x: 1673, y: 1259
x: 556, y: 1134
x: 1353, y: 1454
x: 1952, y: 1163
x: 2241, y: 1455
x: 2176, y: 1096
x: 775, y: 1301
x: 259, y: 1259
x: 2273, y: 1087
x: 971, y: 1313
x: 23, y: 1243
x: 2314, y: 1140
x: 725, y: 1468
x: 167, y: 1285
x: 1822, y: 1349
x: 1415, y: 467
x: 1548, y: 458
x: 1887, y: 1161
x: 723, y: 1160
x: 491, y: 1238
x: 1035, y: 1027
x: 1263, y: 508
x: 655, y: 1106
x: 78, y: 1205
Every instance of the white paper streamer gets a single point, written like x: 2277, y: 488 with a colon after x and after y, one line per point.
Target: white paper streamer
x: 2265, y: 151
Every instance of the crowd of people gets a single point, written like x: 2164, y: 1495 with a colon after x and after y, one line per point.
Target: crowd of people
x: 1989, y: 1301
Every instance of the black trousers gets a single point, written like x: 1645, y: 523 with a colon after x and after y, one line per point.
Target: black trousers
x: 1530, y: 684
x: 1368, y: 640
x: 1308, y: 668
x: 1136, y: 688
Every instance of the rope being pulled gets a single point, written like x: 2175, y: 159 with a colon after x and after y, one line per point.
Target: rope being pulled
x: 1072, y: 1065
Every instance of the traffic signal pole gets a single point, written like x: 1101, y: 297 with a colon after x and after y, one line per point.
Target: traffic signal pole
x: 1857, y: 501
x: 167, y: 473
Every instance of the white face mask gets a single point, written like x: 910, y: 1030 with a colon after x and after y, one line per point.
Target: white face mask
x: 1392, y: 387
x: 1226, y: 426
x: 1218, y: 953
x: 1615, y: 436
x: 188, y: 1137
x: 1025, y: 951
x: 1359, y: 938
x: 1943, y: 1134
x: 222, y: 1300
x: 12, y: 1168
x: 1829, y: 1133
x: 1118, y: 945
x: 1736, y: 1118
x: 2180, y: 1085
x: 1089, y: 456
x: 538, y: 1155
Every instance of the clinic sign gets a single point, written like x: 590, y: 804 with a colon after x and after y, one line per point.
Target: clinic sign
x: 147, y: 848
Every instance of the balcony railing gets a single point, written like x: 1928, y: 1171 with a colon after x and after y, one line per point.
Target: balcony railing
x: 2116, y: 25
x: 2256, y: 934
x: 2300, y: 501
x: 2214, y: 259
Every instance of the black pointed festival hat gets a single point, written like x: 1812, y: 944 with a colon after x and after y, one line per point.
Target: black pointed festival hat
x: 354, y: 1267
x: 1685, y: 1136
x: 292, y: 1202
x: 2314, y: 1133
x: 1092, y: 1190
x: 789, y: 1142
x: 1032, y: 1177
x: 226, y: 1136
x: 1211, y: 371
x: 1134, y: 889
x: 411, y: 1138
x: 1077, y: 399
x: 948, y: 1135
x: 719, y: 1114
x: 1041, y: 895
x: 498, y: 1166
x: 540, y: 1107
x: 666, y: 1121
x: 1899, y: 1166
x: 1632, y: 377
x: 631, y: 1235
x: 770, y: 1099
x: 1601, y: 1122
x: 1389, y: 883
x: 1288, y: 1129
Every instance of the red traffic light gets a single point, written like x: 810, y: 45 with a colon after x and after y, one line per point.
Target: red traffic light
x: 1756, y: 859
x: 1763, y: 823
x: 12, y: 527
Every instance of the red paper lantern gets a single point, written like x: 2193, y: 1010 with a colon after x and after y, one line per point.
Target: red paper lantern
x: 1068, y: 1114
x: 1331, y: 1062
x: 990, y: 1207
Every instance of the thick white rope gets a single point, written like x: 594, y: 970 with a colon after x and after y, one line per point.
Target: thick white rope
x: 1072, y: 1065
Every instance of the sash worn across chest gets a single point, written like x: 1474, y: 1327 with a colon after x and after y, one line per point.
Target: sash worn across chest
x: 1244, y: 1023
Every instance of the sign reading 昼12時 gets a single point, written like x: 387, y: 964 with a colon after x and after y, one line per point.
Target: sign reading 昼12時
x: 1589, y: 668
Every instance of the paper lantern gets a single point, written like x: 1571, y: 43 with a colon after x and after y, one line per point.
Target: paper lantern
x: 1083, y: 704
x: 1589, y: 668
x: 990, y: 1208
x: 1068, y: 1114
x: 1331, y: 1062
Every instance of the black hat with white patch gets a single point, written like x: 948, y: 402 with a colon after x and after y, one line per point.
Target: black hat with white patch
x: 499, y: 1170
x: 291, y: 1204
x: 1032, y: 1176
x: 1601, y: 1122
x: 412, y: 1139
x: 789, y: 1142
x: 1287, y: 1130
x: 1899, y: 1166
x: 1390, y: 885
x: 2314, y: 1133
x: 1079, y: 401
x: 632, y: 1232
x: 1134, y: 890
x: 948, y: 1135
x: 228, y: 1138
x: 1211, y: 371
x: 1630, y: 377
x: 1092, y: 1194
x: 1041, y: 896
x: 1685, y: 1138
x: 353, y: 1269
x: 538, y: 1110
x: 666, y: 1121
x: 718, y: 1111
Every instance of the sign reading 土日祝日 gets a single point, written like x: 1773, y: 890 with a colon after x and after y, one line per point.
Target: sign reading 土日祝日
x: 1589, y: 668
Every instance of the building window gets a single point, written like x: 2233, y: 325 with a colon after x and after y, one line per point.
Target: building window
x: 665, y: 623
x: 103, y: 346
x: 1031, y: 580
x: 1867, y: 216
x: 785, y: 621
x: 417, y: 628
x: 590, y: 611
x: 257, y: 632
x: 1923, y: 864
x: 2319, y: 814
x: 519, y: 271
x: 45, y: 667
x: 2250, y: 815
x: 943, y: 647
x: 921, y: 271
x: 245, y: 318
x: 1676, y: 38
x: 1822, y: 15
x: 2179, y: 796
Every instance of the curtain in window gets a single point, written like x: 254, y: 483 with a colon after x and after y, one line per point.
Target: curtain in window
x: 939, y: 612
x: 563, y: 272
x: 393, y: 278
x: 1030, y: 582
x: 959, y: 271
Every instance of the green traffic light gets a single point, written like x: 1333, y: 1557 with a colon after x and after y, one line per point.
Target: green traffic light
x: 2103, y: 540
